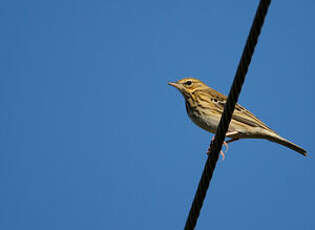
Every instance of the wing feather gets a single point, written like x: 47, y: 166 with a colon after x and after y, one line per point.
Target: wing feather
x: 240, y: 113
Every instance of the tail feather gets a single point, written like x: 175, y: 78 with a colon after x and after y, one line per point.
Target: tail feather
x: 282, y: 141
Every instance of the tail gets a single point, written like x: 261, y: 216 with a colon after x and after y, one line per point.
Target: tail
x: 282, y: 141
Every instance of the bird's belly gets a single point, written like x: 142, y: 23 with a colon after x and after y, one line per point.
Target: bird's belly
x: 208, y: 123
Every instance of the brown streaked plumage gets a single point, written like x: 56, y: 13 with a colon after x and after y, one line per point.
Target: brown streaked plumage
x: 205, y: 106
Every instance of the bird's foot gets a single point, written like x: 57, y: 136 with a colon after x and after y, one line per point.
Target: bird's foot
x: 221, y: 152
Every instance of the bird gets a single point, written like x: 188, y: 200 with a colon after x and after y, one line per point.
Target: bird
x: 205, y: 105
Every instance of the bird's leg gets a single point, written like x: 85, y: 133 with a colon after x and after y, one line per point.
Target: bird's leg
x: 221, y: 152
x: 225, y: 143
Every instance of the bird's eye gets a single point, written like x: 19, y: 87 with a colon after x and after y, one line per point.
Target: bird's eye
x: 188, y: 83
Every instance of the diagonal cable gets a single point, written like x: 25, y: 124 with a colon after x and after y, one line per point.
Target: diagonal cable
x: 235, y: 90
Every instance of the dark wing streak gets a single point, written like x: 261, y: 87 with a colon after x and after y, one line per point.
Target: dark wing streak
x: 242, y: 115
x: 247, y: 117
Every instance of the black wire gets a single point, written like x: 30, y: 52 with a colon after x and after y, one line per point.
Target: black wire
x: 216, y: 144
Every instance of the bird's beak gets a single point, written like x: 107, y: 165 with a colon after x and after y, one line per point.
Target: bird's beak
x: 174, y: 84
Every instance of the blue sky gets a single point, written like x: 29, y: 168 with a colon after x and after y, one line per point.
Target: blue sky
x: 92, y: 137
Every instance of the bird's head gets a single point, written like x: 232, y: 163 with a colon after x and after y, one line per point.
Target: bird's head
x: 188, y: 85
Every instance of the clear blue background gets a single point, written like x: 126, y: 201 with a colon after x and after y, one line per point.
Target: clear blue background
x: 92, y: 137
